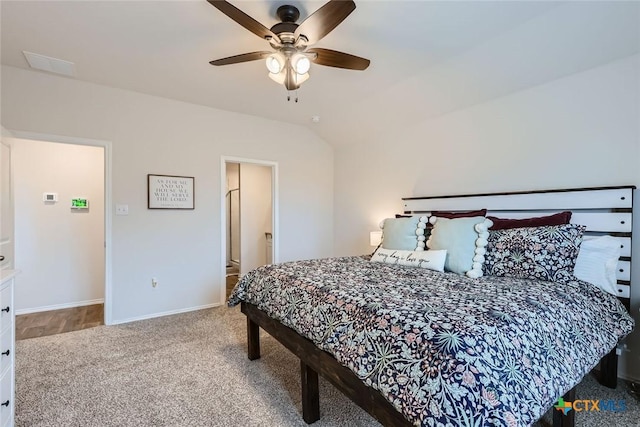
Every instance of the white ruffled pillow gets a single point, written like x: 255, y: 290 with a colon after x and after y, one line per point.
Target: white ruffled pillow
x: 433, y: 260
x: 464, y: 239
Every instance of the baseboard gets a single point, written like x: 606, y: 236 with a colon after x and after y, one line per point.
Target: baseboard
x: 628, y: 378
x: 165, y: 313
x: 621, y: 376
x: 58, y: 306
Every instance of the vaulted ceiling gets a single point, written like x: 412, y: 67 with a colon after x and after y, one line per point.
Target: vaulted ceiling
x: 427, y: 57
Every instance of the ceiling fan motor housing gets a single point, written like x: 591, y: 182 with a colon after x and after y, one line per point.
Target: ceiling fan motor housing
x: 288, y: 15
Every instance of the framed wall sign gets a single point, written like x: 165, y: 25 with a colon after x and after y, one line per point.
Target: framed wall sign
x: 170, y: 192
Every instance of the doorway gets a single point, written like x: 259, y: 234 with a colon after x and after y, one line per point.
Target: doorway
x: 60, y: 271
x: 249, y: 217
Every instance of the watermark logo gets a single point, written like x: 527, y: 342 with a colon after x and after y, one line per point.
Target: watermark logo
x: 590, y: 405
x: 563, y: 406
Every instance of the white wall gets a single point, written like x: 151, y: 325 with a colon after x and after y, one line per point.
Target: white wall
x: 255, y: 215
x: 160, y: 136
x: 579, y: 131
x: 59, y: 250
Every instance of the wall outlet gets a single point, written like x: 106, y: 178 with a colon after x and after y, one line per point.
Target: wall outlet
x: 154, y: 282
x: 122, y: 209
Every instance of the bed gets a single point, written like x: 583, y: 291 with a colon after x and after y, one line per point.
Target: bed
x: 414, y: 346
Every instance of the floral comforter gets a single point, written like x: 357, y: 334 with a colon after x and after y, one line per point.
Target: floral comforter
x: 444, y: 349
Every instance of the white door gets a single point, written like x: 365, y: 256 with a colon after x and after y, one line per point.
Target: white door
x: 6, y: 209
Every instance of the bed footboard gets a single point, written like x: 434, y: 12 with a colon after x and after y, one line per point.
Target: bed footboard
x: 314, y: 361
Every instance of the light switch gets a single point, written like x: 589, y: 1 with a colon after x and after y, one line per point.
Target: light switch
x: 122, y: 209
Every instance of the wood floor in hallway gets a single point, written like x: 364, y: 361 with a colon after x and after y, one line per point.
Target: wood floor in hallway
x: 53, y: 322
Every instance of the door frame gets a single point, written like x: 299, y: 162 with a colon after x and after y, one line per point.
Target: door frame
x: 223, y: 214
x: 107, y: 146
x: 5, y: 134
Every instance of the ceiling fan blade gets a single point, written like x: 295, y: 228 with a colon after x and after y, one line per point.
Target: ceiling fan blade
x: 333, y: 58
x: 243, y: 19
x: 245, y: 57
x: 324, y: 20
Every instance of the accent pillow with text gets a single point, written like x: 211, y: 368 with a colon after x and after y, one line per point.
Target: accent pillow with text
x: 433, y: 260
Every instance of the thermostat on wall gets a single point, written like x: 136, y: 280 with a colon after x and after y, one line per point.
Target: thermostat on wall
x: 79, y: 203
x: 49, y: 197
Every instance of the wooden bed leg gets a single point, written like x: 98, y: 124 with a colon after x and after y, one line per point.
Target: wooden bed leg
x: 253, y: 340
x: 568, y: 420
x: 310, y: 394
x: 609, y: 370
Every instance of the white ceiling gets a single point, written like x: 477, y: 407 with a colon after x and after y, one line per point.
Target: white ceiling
x: 427, y: 57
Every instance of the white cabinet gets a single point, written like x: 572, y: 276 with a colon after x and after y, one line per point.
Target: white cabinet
x: 7, y: 345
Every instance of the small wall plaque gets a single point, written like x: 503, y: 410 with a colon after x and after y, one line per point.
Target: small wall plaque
x: 79, y: 203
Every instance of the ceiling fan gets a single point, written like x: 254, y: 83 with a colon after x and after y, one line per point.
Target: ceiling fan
x: 290, y: 63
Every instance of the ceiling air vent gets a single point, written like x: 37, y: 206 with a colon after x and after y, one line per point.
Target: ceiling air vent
x: 52, y: 65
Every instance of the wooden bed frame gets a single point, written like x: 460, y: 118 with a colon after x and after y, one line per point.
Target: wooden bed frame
x: 604, y: 210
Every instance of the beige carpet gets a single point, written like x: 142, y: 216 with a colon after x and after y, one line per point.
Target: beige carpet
x: 190, y: 370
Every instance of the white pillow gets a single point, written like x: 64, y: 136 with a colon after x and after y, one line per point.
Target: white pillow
x: 464, y: 239
x: 597, y: 262
x: 433, y: 260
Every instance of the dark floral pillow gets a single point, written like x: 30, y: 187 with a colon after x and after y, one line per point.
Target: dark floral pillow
x: 545, y: 253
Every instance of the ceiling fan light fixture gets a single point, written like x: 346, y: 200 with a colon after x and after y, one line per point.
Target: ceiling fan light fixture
x: 301, y: 78
x: 300, y: 63
x: 278, y: 77
x: 275, y: 63
x: 290, y: 60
